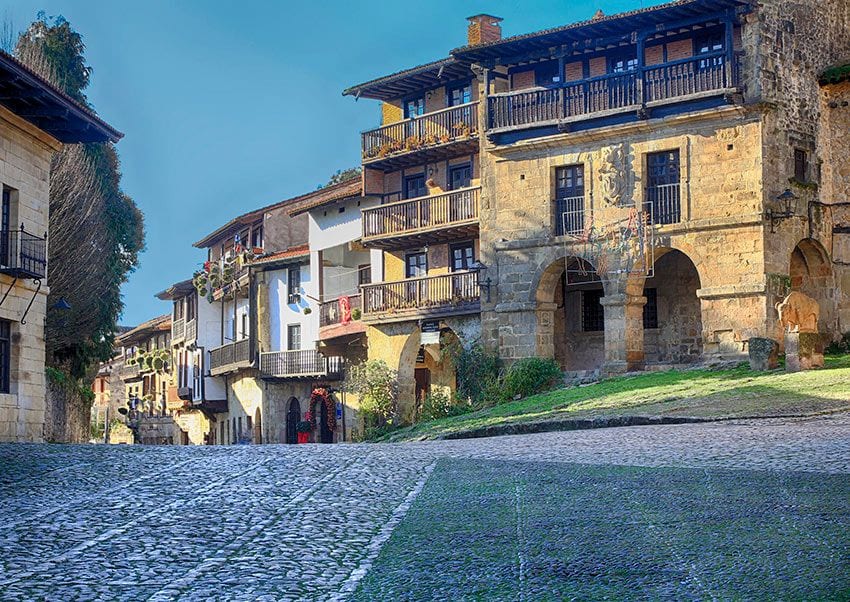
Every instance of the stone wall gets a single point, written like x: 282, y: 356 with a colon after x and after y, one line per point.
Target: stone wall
x: 67, y: 415
x: 25, y: 155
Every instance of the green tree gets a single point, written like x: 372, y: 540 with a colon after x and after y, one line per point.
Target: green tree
x: 343, y: 175
x: 96, y: 230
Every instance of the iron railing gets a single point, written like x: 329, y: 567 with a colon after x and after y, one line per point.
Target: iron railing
x: 330, y: 312
x: 664, y: 203
x: 421, y: 214
x: 569, y: 216
x: 231, y: 354
x: 427, y: 292
x: 616, y: 91
x: 422, y: 131
x: 23, y: 254
x: 300, y: 363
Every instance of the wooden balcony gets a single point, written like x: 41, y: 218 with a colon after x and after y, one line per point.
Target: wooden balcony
x: 307, y: 363
x: 442, y: 217
x: 691, y: 79
x: 231, y: 357
x: 330, y: 311
x: 191, y: 331
x: 426, y: 138
x: 178, y: 330
x: 130, y: 371
x: 429, y: 296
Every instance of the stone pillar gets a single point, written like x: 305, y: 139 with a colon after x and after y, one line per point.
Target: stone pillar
x: 624, y: 350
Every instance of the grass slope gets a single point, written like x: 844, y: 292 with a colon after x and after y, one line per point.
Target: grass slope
x: 738, y: 392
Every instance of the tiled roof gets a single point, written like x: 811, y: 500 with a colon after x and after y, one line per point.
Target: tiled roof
x: 178, y: 289
x: 291, y: 253
x: 331, y: 194
x: 252, y: 216
x: 159, y: 324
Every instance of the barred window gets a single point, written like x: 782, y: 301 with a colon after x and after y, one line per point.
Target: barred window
x: 592, y: 312
x: 650, y: 310
x: 294, y: 285
x: 5, y: 354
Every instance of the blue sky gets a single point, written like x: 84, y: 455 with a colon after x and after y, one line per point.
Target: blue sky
x: 229, y: 106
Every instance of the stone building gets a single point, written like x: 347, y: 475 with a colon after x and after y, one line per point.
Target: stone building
x: 247, y: 368
x: 646, y: 187
x: 35, y: 120
x: 146, y: 370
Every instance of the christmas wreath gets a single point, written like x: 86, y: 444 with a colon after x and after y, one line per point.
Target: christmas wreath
x: 323, y: 396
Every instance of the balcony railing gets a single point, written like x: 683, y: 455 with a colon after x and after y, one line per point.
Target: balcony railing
x: 130, y: 370
x: 191, y: 330
x: 569, y: 216
x: 423, y: 131
x: 22, y: 254
x: 425, y: 293
x: 330, y: 312
x: 300, y: 363
x: 428, y: 213
x: 178, y: 329
x: 232, y: 355
x: 664, y: 203
x: 619, y: 91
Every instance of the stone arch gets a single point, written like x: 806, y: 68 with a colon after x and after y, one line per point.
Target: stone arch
x: 810, y: 271
x: 565, y: 331
x: 673, y: 313
x: 406, y: 377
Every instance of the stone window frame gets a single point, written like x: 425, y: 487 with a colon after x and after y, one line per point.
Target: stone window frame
x: 642, y: 150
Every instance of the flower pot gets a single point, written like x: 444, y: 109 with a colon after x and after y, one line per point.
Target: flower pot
x: 303, y: 437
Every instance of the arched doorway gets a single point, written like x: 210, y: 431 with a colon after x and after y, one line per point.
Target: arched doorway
x: 672, y: 316
x: 811, y: 274
x: 293, y: 417
x: 570, y: 316
x: 258, y: 426
x: 326, y: 434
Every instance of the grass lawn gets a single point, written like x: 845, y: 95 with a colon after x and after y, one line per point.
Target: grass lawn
x: 502, y: 530
x: 732, y: 393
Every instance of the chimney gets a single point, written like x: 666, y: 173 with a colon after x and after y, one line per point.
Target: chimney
x: 483, y: 29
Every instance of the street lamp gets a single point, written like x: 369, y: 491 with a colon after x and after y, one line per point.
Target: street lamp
x: 785, y: 202
x: 479, y: 267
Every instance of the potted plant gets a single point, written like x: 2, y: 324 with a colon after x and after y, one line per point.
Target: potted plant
x: 307, y: 311
x: 356, y: 314
x: 303, y: 430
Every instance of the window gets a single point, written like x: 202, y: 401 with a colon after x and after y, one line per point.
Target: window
x: 710, y: 45
x: 463, y: 256
x: 5, y: 355
x: 546, y: 74
x: 650, y: 310
x: 592, y: 312
x: 293, y: 283
x: 364, y: 274
x: 178, y: 309
x: 662, y: 186
x: 414, y: 186
x: 569, y: 200
x: 460, y: 176
x: 6, y: 226
x: 623, y: 63
x: 459, y: 95
x: 801, y: 165
x: 415, y: 265
x: 414, y: 107
x: 190, y: 306
x: 293, y: 337
x: 244, y: 320
x: 257, y: 237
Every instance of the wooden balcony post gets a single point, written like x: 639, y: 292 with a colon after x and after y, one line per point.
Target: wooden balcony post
x: 641, y: 69
x: 729, y: 28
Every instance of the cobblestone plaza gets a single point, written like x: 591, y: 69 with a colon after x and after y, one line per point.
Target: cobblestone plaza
x: 711, y: 511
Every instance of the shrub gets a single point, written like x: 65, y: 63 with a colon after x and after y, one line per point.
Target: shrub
x: 531, y: 375
x: 839, y: 347
x: 477, y: 372
x: 376, y: 385
x: 437, y: 404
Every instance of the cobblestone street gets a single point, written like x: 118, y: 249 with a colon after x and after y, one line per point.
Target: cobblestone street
x: 310, y: 521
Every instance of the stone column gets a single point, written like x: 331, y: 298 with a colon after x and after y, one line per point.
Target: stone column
x: 624, y: 350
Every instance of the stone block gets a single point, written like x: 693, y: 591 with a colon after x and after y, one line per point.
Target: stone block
x: 763, y: 353
x: 803, y: 351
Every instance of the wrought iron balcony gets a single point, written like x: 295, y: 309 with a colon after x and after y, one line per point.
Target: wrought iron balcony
x: 447, y: 216
x: 664, y: 203
x: 446, y: 294
x: 230, y: 357
x: 330, y: 312
x: 422, y: 139
x: 22, y: 254
x: 706, y: 75
x: 307, y: 363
